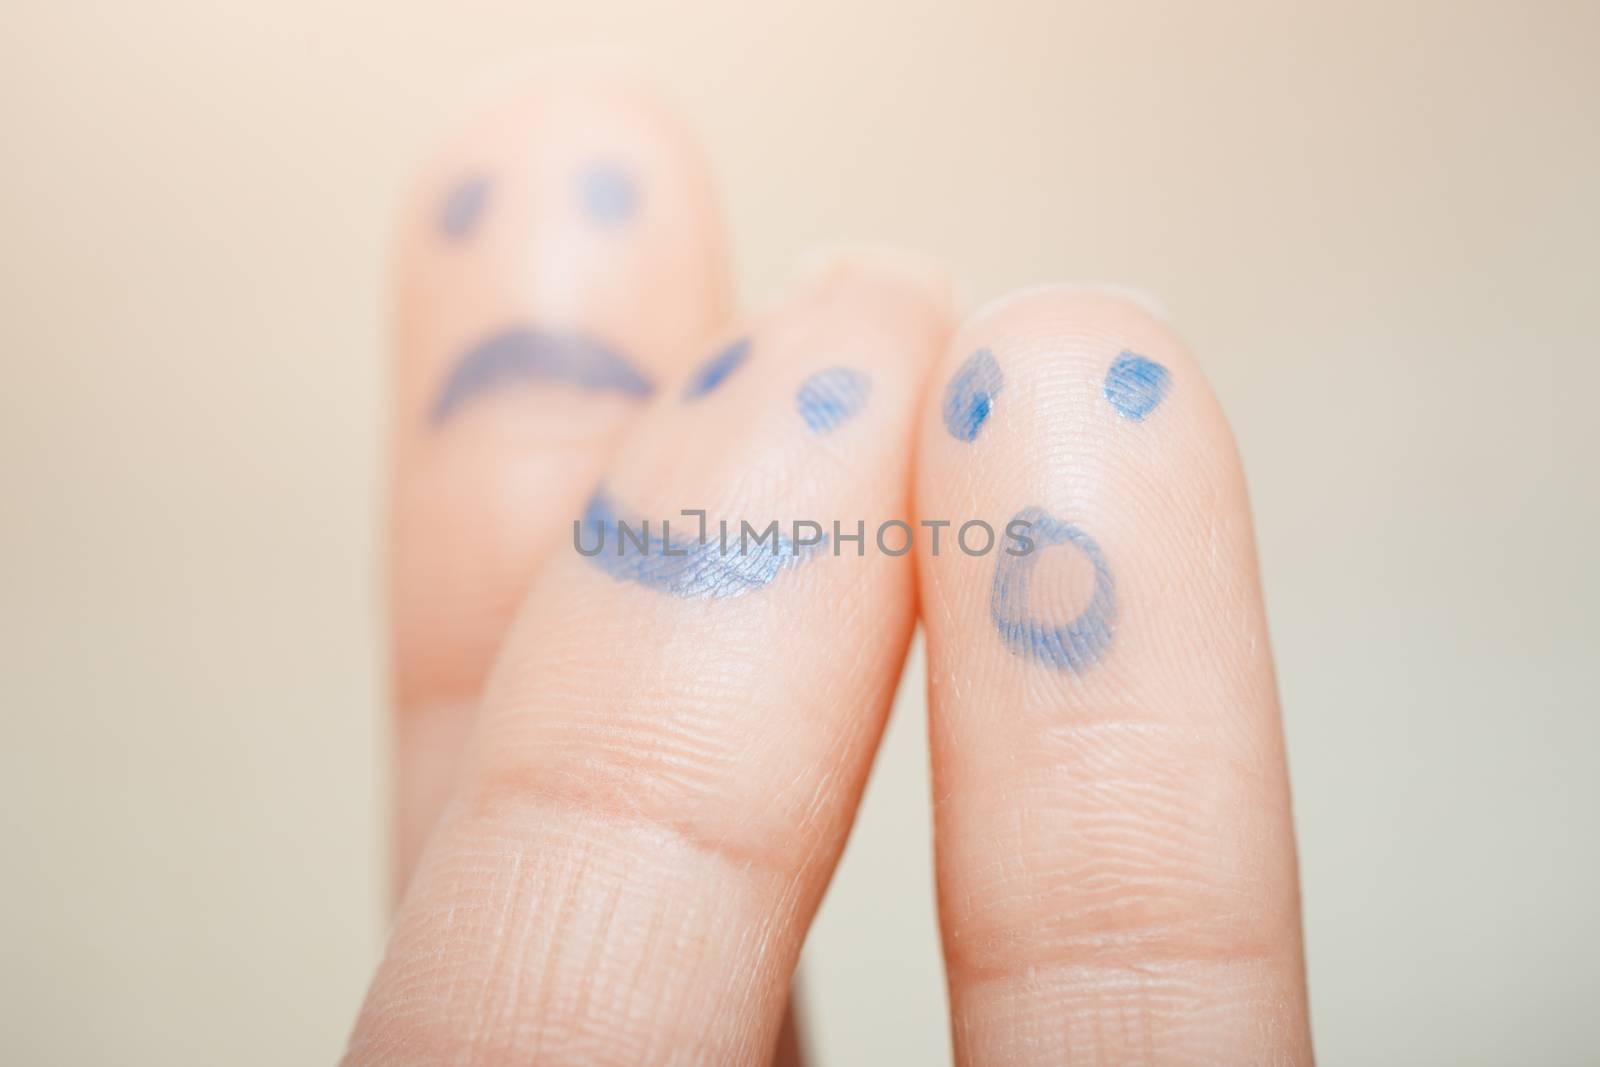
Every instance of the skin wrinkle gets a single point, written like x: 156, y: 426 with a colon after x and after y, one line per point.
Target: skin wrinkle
x: 419, y: 972
x: 628, y: 773
x: 494, y: 999
x: 483, y: 1021
x: 568, y: 897
x: 1114, y: 934
x: 607, y: 912
x: 1179, y: 1010
x: 686, y: 750
x: 657, y: 940
x: 1135, y: 876
x: 546, y: 789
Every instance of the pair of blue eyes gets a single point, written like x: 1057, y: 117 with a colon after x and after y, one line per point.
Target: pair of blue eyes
x: 605, y: 192
x: 1133, y: 385
x: 825, y: 401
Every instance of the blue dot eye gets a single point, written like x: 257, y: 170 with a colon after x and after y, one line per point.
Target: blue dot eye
x: 716, y: 370
x: 981, y: 405
x: 832, y: 397
x: 1135, y: 385
x: 969, y: 398
x: 608, y: 194
x: 463, y: 207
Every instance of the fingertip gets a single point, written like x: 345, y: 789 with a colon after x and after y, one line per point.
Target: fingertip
x: 610, y: 133
x: 1103, y: 723
x: 580, y: 207
x: 1077, y: 381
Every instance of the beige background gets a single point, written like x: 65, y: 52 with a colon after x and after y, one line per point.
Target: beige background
x: 1376, y: 222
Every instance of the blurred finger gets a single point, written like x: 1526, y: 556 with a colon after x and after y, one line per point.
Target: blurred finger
x: 1116, y: 862
x: 560, y: 261
x: 673, y: 745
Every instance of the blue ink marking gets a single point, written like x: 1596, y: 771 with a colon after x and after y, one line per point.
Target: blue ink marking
x: 831, y: 397
x: 523, y: 354
x: 608, y: 194
x: 685, y: 566
x: 716, y: 370
x: 1135, y: 385
x: 462, y: 207
x: 1078, y: 644
x: 969, y: 397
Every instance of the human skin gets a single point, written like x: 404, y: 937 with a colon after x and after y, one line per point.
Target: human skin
x: 619, y: 803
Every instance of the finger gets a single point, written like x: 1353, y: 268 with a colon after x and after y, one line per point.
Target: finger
x: 1116, y: 864
x: 672, y: 747
x: 560, y: 260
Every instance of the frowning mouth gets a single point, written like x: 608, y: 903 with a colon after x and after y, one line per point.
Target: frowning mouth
x: 526, y: 355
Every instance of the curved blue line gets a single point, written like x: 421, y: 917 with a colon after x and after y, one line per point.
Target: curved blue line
x: 521, y: 354
x: 683, y: 566
x: 1078, y: 644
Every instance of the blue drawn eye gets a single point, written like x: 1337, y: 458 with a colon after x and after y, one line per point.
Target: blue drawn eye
x: 521, y: 355
x: 462, y: 208
x: 1135, y: 385
x: 1076, y: 645
x: 969, y: 398
x: 607, y: 193
x: 830, y: 398
x: 716, y: 370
